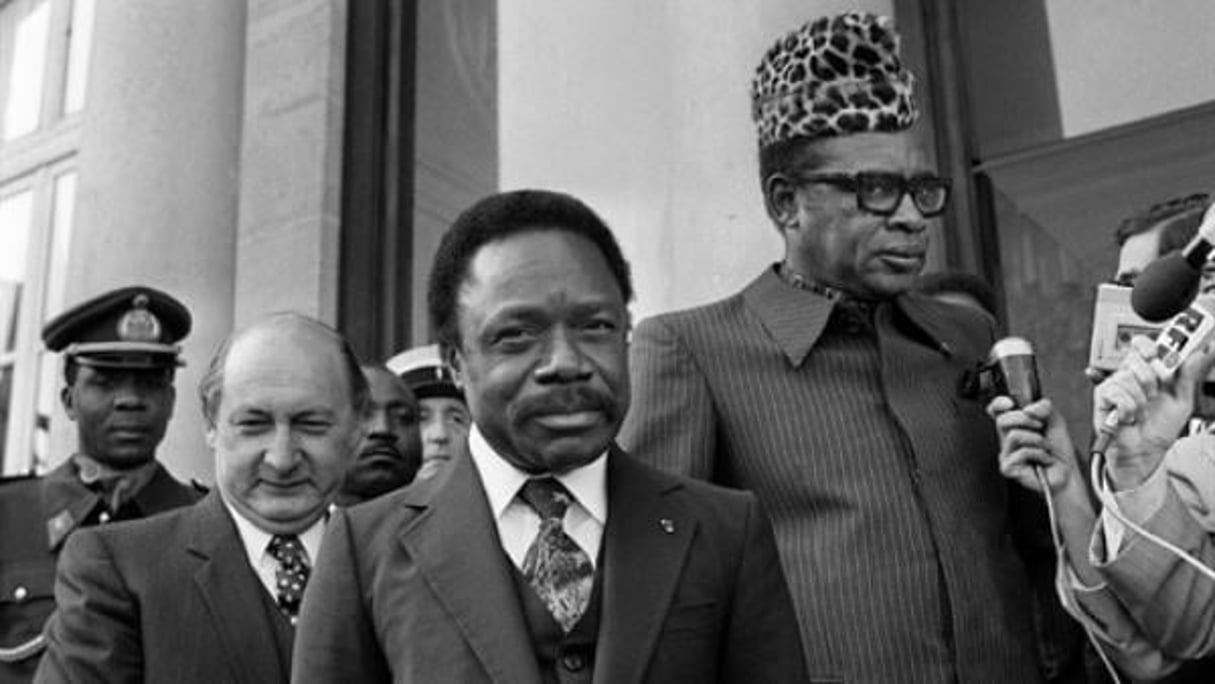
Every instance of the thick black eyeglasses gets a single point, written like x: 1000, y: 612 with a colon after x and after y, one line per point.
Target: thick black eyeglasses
x: 880, y: 193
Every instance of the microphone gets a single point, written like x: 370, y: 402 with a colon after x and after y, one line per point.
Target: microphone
x: 1169, y: 283
x: 1012, y: 359
x: 1188, y: 332
x: 1017, y: 372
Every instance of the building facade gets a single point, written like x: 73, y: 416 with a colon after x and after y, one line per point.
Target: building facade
x: 255, y: 155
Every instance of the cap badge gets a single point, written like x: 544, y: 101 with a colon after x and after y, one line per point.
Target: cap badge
x: 139, y: 324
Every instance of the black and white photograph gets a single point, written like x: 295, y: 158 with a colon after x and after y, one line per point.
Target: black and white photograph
x: 607, y: 341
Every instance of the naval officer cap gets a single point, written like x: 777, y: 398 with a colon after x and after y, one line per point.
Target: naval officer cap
x: 424, y: 371
x: 131, y: 327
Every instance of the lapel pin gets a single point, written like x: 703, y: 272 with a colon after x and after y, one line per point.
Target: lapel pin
x: 667, y: 525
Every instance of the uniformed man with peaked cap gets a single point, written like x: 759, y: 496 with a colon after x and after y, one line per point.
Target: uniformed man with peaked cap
x: 442, y: 412
x: 120, y: 353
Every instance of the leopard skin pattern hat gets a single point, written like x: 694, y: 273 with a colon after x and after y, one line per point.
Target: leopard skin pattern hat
x: 833, y: 76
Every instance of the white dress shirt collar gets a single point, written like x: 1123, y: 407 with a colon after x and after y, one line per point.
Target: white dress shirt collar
x: 517, y: 523
x: 255, y: 541
x: 503, y: 480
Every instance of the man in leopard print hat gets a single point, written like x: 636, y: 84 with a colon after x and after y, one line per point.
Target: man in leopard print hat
x: 833, y: 76
x: 830, y: 389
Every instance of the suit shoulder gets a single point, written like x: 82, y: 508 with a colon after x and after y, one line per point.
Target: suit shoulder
x: 21, y: 508
x: 370, y: 512
x: 171, y: 492
x: 714, y: 493
x: 142, y: 535
x: 19, y: 485
x: 13, y: 480
x: 697, y: 489
x: 380, y: 516
x: 723, y: 513
x: 696, y: 330
x: 21, y: 494
x: 962, y: 327
x: 692, y: 316
x: 959, y: 315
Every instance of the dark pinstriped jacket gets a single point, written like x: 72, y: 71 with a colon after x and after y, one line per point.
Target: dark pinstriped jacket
x: 881, y: 479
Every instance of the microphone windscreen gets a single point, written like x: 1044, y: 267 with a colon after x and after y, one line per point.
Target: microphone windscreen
x: 1018, y: 378
x: 1165, y: 288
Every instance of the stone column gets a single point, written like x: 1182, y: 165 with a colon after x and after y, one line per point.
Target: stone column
x: 158, y: 180
x: 291, y: 159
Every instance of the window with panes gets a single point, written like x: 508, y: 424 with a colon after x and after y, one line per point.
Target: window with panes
x: 44, y: 56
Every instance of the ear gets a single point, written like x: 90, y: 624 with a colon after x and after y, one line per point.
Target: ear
x: 69, y: 401
x: 780, y: 200
x: 454, y: 359
x: 209, y: 437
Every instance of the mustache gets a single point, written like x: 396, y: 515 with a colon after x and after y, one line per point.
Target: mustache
x: 377, y: 447
x: 567, y: 400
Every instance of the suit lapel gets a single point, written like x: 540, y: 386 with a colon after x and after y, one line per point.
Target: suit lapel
x: 455, y: 542
x: 795, y: 319
x: 646, y: 540
x: 231, y: 592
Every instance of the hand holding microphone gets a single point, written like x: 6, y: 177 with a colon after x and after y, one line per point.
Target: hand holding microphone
x: 1144, y: 405
x: 1036, y: 449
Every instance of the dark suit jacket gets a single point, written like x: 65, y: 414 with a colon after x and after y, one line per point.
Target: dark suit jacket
x: 167, y: 599
x: 36, y: 516
x: 415, y: 587
x: 891, y: 517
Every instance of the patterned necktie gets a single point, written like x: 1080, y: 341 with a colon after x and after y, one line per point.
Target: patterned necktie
x: 555, y: 566
x: 291, y: 575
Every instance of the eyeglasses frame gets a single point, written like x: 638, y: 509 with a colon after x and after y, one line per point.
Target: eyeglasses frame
x: 852, y: 182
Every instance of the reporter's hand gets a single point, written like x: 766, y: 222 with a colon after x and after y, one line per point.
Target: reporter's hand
x: 1152, y: 407
x: 1095, y: 375
x: 1034, y: 437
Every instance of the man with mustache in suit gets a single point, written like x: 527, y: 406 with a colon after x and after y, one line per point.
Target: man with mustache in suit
x: 549, y: 554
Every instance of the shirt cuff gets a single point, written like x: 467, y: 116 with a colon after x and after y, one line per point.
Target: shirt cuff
x: 1138, y: 505
x: 1075, y: 583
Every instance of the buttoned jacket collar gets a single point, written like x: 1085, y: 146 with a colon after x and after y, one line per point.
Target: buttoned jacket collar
x: 795, y: 318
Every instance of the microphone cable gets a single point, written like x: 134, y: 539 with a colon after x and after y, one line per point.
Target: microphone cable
x: 1105, y: 495
x: 1106, y: 498
x: 1108, y: 503
x: 1060, y: 554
